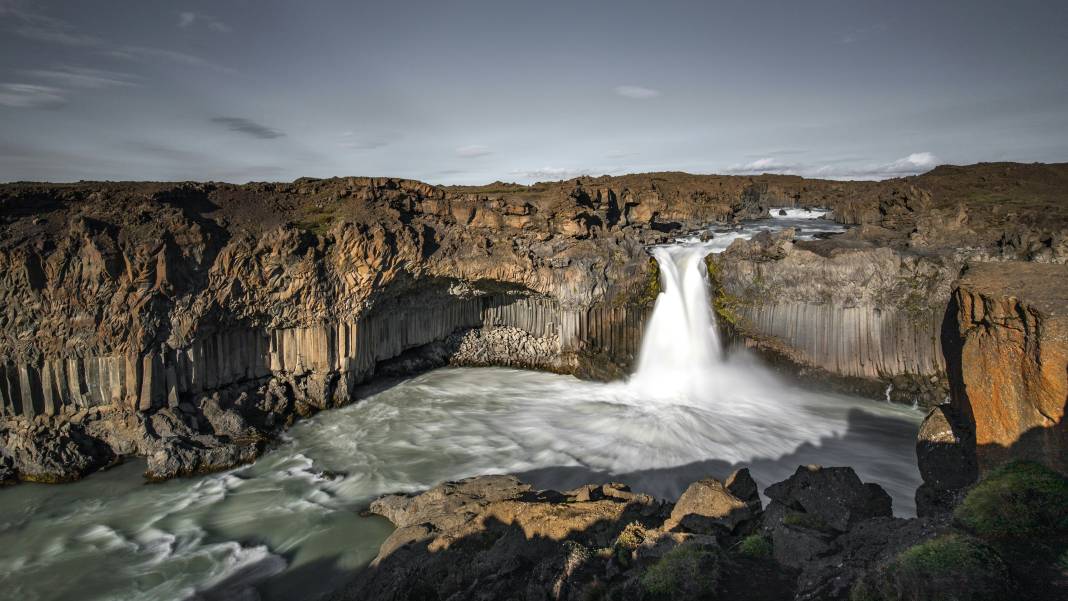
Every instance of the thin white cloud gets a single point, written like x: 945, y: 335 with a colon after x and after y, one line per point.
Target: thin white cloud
x: 56, y: 34
x: 551, y: 173
x: 359, y: 141
x: 473, y: 151
x: 80, y: 77
x: 187, y: 19
x: 43, y: 28
x: 24, y: 95
x: 762, y: 165
x: 913, y: 164
x: 636, y: 92
x: 148, y: 53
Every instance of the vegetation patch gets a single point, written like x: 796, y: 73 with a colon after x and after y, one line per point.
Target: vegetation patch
x: 628, y: 540
x: 952, y: 567
x: 651, y: 288
x: 727, y: 306
x: 755, y: 546
x: 799, y: 519
x: 317, y: 220
x: 684, y: 573
x: 1018, y: 500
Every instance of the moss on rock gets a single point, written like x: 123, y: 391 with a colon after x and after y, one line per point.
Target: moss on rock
x: 1018, y: 500
x: 755, y: 546
x: 952, y: 567
x: 684, y: 573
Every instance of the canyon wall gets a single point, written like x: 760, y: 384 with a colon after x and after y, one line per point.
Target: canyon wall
x: 185, y: 322
x: 843, y: 307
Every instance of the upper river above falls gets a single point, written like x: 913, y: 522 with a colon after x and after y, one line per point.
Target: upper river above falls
x: 288, y: 526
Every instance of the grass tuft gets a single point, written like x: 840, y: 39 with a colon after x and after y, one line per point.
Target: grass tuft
x: 952, y: 567
x: 687, y: 572
x: 755, y: 546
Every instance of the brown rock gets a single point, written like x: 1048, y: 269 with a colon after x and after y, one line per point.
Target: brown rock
x: 1007, y: 356
x: 707, y: 505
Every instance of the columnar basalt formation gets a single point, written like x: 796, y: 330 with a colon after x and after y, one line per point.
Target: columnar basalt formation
x: 847, y: 308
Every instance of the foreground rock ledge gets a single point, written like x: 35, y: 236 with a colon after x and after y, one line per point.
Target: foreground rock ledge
x: 494, y: 537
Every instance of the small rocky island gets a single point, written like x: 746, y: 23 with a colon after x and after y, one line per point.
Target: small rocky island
x: 189, y: 325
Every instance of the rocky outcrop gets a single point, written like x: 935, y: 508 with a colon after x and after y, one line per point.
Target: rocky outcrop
x: 844, y: 307
x: 1007, y: 350
x: 494, y: 537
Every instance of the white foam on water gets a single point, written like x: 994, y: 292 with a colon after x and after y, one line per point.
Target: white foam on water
x: 792, y: 213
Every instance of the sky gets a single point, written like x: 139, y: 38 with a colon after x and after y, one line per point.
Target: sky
x: 471, y: 92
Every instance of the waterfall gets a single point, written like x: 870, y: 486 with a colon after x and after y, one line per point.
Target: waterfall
x: 680, y: 353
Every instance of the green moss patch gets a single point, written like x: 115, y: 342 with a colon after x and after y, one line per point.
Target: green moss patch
x: 684, y: 573
x: 1018, y: 500
x: 755, y: 546
x: 952, y: 567
x: 799, y: 519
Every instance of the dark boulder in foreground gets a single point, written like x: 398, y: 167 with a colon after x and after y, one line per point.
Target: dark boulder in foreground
x: 833, y: 495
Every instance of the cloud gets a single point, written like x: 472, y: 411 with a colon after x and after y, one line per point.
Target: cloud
x: 473, y: 151
x: 916, y: 162
x: 248, y: 127
x: 636, y: 92
x: 57, y: 34
x: 355, y: 141
x: 42, y: 28
x: 551, y: 173
x: 24, y: 95
x: 188, y: 19
x: 913, y: 164
x: 140, y: 53
x: 80, y: 77
x: 762, y: 165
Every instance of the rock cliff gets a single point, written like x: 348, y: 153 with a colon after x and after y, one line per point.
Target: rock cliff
x: 186, y: 322
x: 841, y: 307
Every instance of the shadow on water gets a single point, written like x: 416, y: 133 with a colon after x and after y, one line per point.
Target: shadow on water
x: 873, y: 445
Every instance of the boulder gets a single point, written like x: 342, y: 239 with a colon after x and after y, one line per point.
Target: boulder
x: 741, y: 484
x: 707, y: 506
x: 35, y: 452
x: 834, y: 495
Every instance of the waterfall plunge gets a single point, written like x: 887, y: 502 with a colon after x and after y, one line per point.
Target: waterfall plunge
x: 681, y: 355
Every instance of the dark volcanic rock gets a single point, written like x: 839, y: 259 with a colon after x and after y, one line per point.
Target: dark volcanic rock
x: 741, y: 484
x: 34, y: 452
x: 834, y: 495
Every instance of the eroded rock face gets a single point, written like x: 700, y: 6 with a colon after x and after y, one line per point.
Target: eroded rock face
x: 1007, y: 350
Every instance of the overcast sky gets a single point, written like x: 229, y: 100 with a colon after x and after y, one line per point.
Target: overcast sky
x: 472, y: 91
